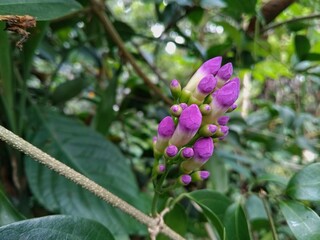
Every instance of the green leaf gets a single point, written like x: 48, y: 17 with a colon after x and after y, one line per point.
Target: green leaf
x: 55, y: 227
x: 303, y: 222
x: 8, y: 213
x: 302, y: 46
x: 89, y: 153
x: 305, y: 184
x: 256, y: 212
x: 236, y: 223
x: 236, y: 8
x: 214, y: 205
x: 219, y: 177
x: 41, y: 9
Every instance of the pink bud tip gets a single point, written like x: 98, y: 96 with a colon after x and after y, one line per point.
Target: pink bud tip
x: 190, y: 119
x: 204, y: 174
x: 166, y: 127
x: 223, y: 120
x: 171, y: 151
x: 161, y: 168
x: 228, y: 94
x: 203, y: 149
x: 185, y: 179
x: 211, y: 66
x: 207, y: 84
x: 225, y: 72
x: 212, y: 128
x: 187, y: 152
x: 183, y: 105
x: 174, y: 83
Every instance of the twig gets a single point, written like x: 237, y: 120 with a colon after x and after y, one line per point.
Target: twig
x: 275, y: 25
x: 98, y: 8
x: 62, y: 169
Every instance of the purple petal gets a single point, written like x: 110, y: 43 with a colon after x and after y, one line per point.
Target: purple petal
x: 207, y: 84
x: 228, y: 94
x: 171, y: 151
x: 212, y: 128
x: 225, y: 72
x: 204, y: 174
x: 187, y: 152
x: 203, y: 149
x: 161, y: 168
x: 185, y: 179
x: 223, y: 120
x: 183, y: 105
x: 174, y: 83
x: 166, y: 127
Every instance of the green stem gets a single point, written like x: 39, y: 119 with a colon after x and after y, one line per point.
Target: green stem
x: 157, y: 192
x: 268, y: 210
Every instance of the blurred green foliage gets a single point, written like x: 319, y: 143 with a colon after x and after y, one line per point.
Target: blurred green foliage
x: 74, y: 94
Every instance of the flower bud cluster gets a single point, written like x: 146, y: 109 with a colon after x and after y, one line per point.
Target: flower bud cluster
x: 197, y: 121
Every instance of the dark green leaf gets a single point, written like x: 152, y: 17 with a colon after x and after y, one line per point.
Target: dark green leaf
x: 236, y: 223
x: 303, y: 222
x: 219, y: 175
x: 302, y: 46
x: 92, y: 155
x: 8, y: 213
x: 305, y: 184
x: 256, y: 212
x: 41, y: 9
x: 55, y: 227
x: 236, y: 8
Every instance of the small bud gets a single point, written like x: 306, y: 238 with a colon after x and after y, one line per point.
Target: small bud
x: 233, y: 107
x: 223, y: 120
x: 161, y: 168
x: 185, y: 179
x: 203, y: 149
x: 223, y: 99
x: 209, y: 67
x: 183, y: 106
x: 224, y: 74
x: 165, y: 131
x: 176, y: 110
x: 208, y: 130
x: 205, y: 87
x: 175, y: 88
x: 200, y: 176
x: 225, y: 131
x: 185, y: 95
x: 205, y: 109
x: 171, y: 151
x: 189, y: 123
x: 187, y: 153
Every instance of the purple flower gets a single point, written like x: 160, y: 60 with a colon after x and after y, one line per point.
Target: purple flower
x: 183, y: 106
x: 185, y: 179
x: 165, y: 131
x: 203, y: 149
x: 171, y: 151
x: 189, y: 123
x: 209, y: 67
x: 176, y: 110
x: 233, y: 107
x: 200, y: 175
x: 224, y: 131
x: 175, y: 88
x: 224, y: 74
x: 205, y: 86
x: 223, y: 120
x: 187, y: 153
x: 223, y: 99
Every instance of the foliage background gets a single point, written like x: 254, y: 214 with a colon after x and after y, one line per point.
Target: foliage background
x: 75, y: 94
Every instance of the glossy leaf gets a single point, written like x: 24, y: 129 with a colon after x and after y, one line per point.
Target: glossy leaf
x: 92, y: 155
x: 41, y: 9
x: 303, y: 222
x: 55, y: 227
x: 236, y: 223
x: 305, y: 184
x: 8, y: 213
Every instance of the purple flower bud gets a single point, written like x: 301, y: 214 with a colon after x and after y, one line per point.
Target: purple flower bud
x: 183, y: 106
x: 154, y: 140
x: 165, y: 131
x: 189, y: 123
x: 185, y: 179
x: 224, y: 74
x: 187, y: 153
x: 205, y: 86
x: 161, y: 168
x: 208, y: 130
x: 233, y: 107
x: 171, y: 151
x: 200, y: 175
x: 176, y: 110
x: 175, y: 88
x: 209, y: 67
x: 223, y: 120
x: 203, y: 150
x: 205, y: 109
x: 223, y: 98
x: 224, y: 130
